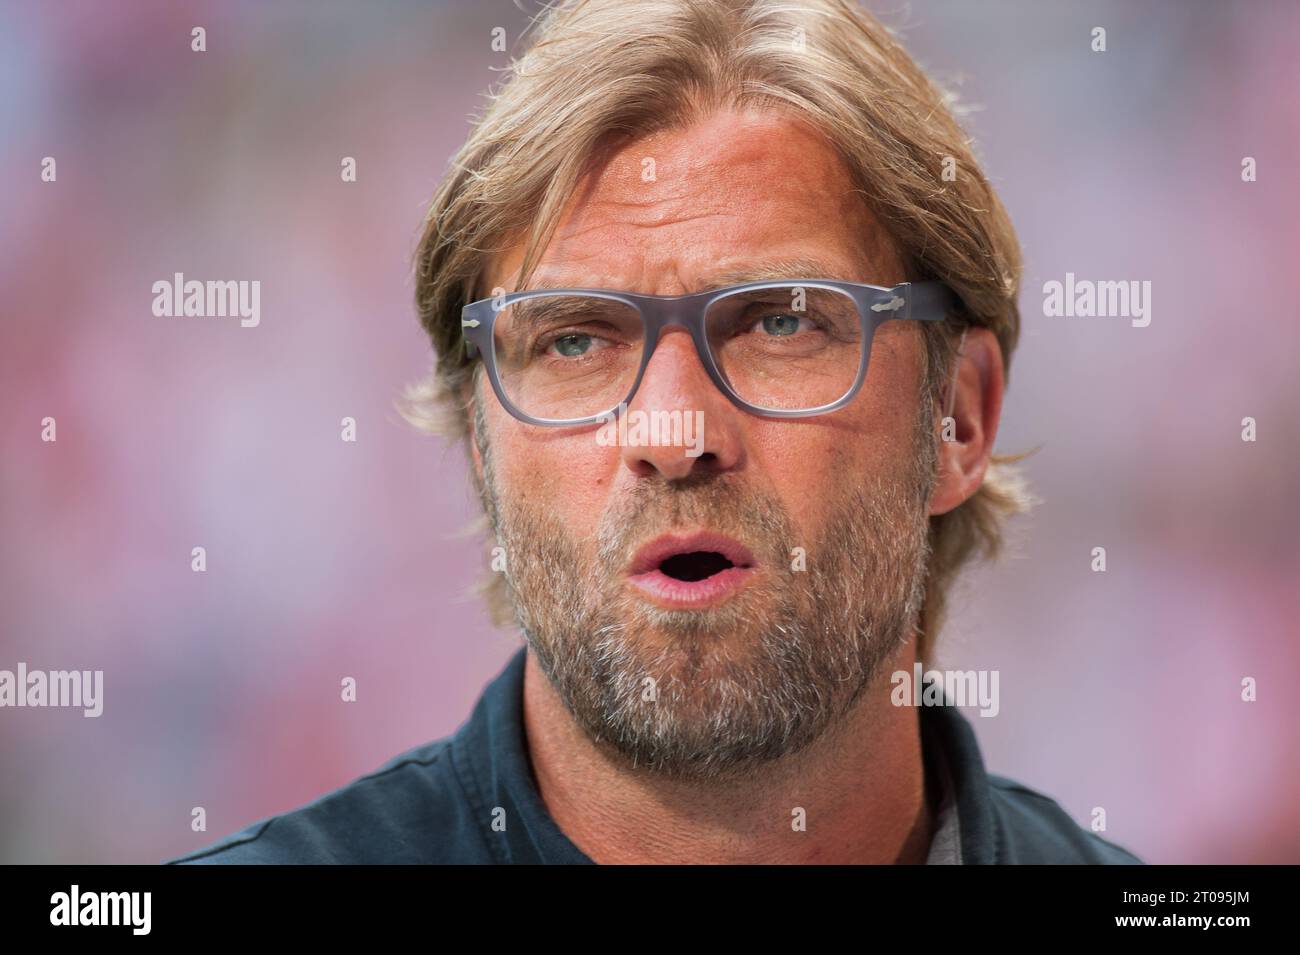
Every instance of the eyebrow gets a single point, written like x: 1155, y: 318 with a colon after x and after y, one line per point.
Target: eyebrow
x: 775, y: 270
x: 533, y: 312
x: 764, y: 271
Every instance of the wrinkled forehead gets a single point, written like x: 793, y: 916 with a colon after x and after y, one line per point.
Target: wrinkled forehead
x: 734, y: 197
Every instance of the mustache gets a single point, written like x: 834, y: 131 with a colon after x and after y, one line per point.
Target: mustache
x: 716, y: 502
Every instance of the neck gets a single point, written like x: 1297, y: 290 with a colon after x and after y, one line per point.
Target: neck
x: 861, y: 787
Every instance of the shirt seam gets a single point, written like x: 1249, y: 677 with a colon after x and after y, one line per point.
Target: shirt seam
x: 378, y: 773
x: 384, y: 771
x: 217, y: 850
x: 465, y: 778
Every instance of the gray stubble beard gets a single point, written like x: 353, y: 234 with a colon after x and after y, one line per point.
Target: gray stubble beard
x: 741, y: 685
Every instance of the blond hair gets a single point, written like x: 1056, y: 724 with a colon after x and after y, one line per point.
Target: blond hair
x: 598, y: 74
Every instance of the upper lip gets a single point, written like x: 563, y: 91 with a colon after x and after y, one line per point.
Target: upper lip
x: 655, y: 552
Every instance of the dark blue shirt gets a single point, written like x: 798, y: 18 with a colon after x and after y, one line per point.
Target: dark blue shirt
x: 437, y: 804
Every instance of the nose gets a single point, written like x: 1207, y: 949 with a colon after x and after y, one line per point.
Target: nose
x: 684, y: 424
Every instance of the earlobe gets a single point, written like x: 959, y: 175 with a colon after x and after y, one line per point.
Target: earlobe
x: 968, y: 430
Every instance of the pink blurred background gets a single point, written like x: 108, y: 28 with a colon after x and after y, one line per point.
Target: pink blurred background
x: 328, y: 559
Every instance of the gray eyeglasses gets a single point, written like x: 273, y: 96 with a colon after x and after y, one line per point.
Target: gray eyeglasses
x: 782, y: 349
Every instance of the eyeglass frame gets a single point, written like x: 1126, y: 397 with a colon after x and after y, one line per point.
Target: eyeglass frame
x: 876, y: 304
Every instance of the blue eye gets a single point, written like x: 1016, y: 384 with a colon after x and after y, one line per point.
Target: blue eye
x: 781, y: 325
x: 571, y: 346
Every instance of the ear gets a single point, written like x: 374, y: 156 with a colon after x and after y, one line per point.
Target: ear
x: 974, y: 395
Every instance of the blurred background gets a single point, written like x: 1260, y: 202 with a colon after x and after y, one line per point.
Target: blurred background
x: 329, y: 559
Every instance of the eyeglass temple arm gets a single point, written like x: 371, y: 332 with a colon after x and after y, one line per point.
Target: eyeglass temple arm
x: 467, y: 321
x: 932, y: 302
x: 928, y: 301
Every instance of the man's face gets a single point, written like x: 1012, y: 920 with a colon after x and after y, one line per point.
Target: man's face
x: 716, y: 677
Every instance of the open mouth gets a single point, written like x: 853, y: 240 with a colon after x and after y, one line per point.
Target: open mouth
x: 691, y: 570
x: 696, y: 565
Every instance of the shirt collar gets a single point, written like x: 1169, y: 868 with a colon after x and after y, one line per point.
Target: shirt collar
x: 945, y: 844
x: 948, y: 734
x: 491, y: 759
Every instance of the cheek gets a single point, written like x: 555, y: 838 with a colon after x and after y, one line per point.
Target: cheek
x: 810, y: 468
x: 566, y: 476
x: 813, y: 464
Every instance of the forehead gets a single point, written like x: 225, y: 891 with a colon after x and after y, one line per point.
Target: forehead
x: 675, y: 210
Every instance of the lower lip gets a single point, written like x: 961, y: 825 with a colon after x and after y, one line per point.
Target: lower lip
x: 671, y: 592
